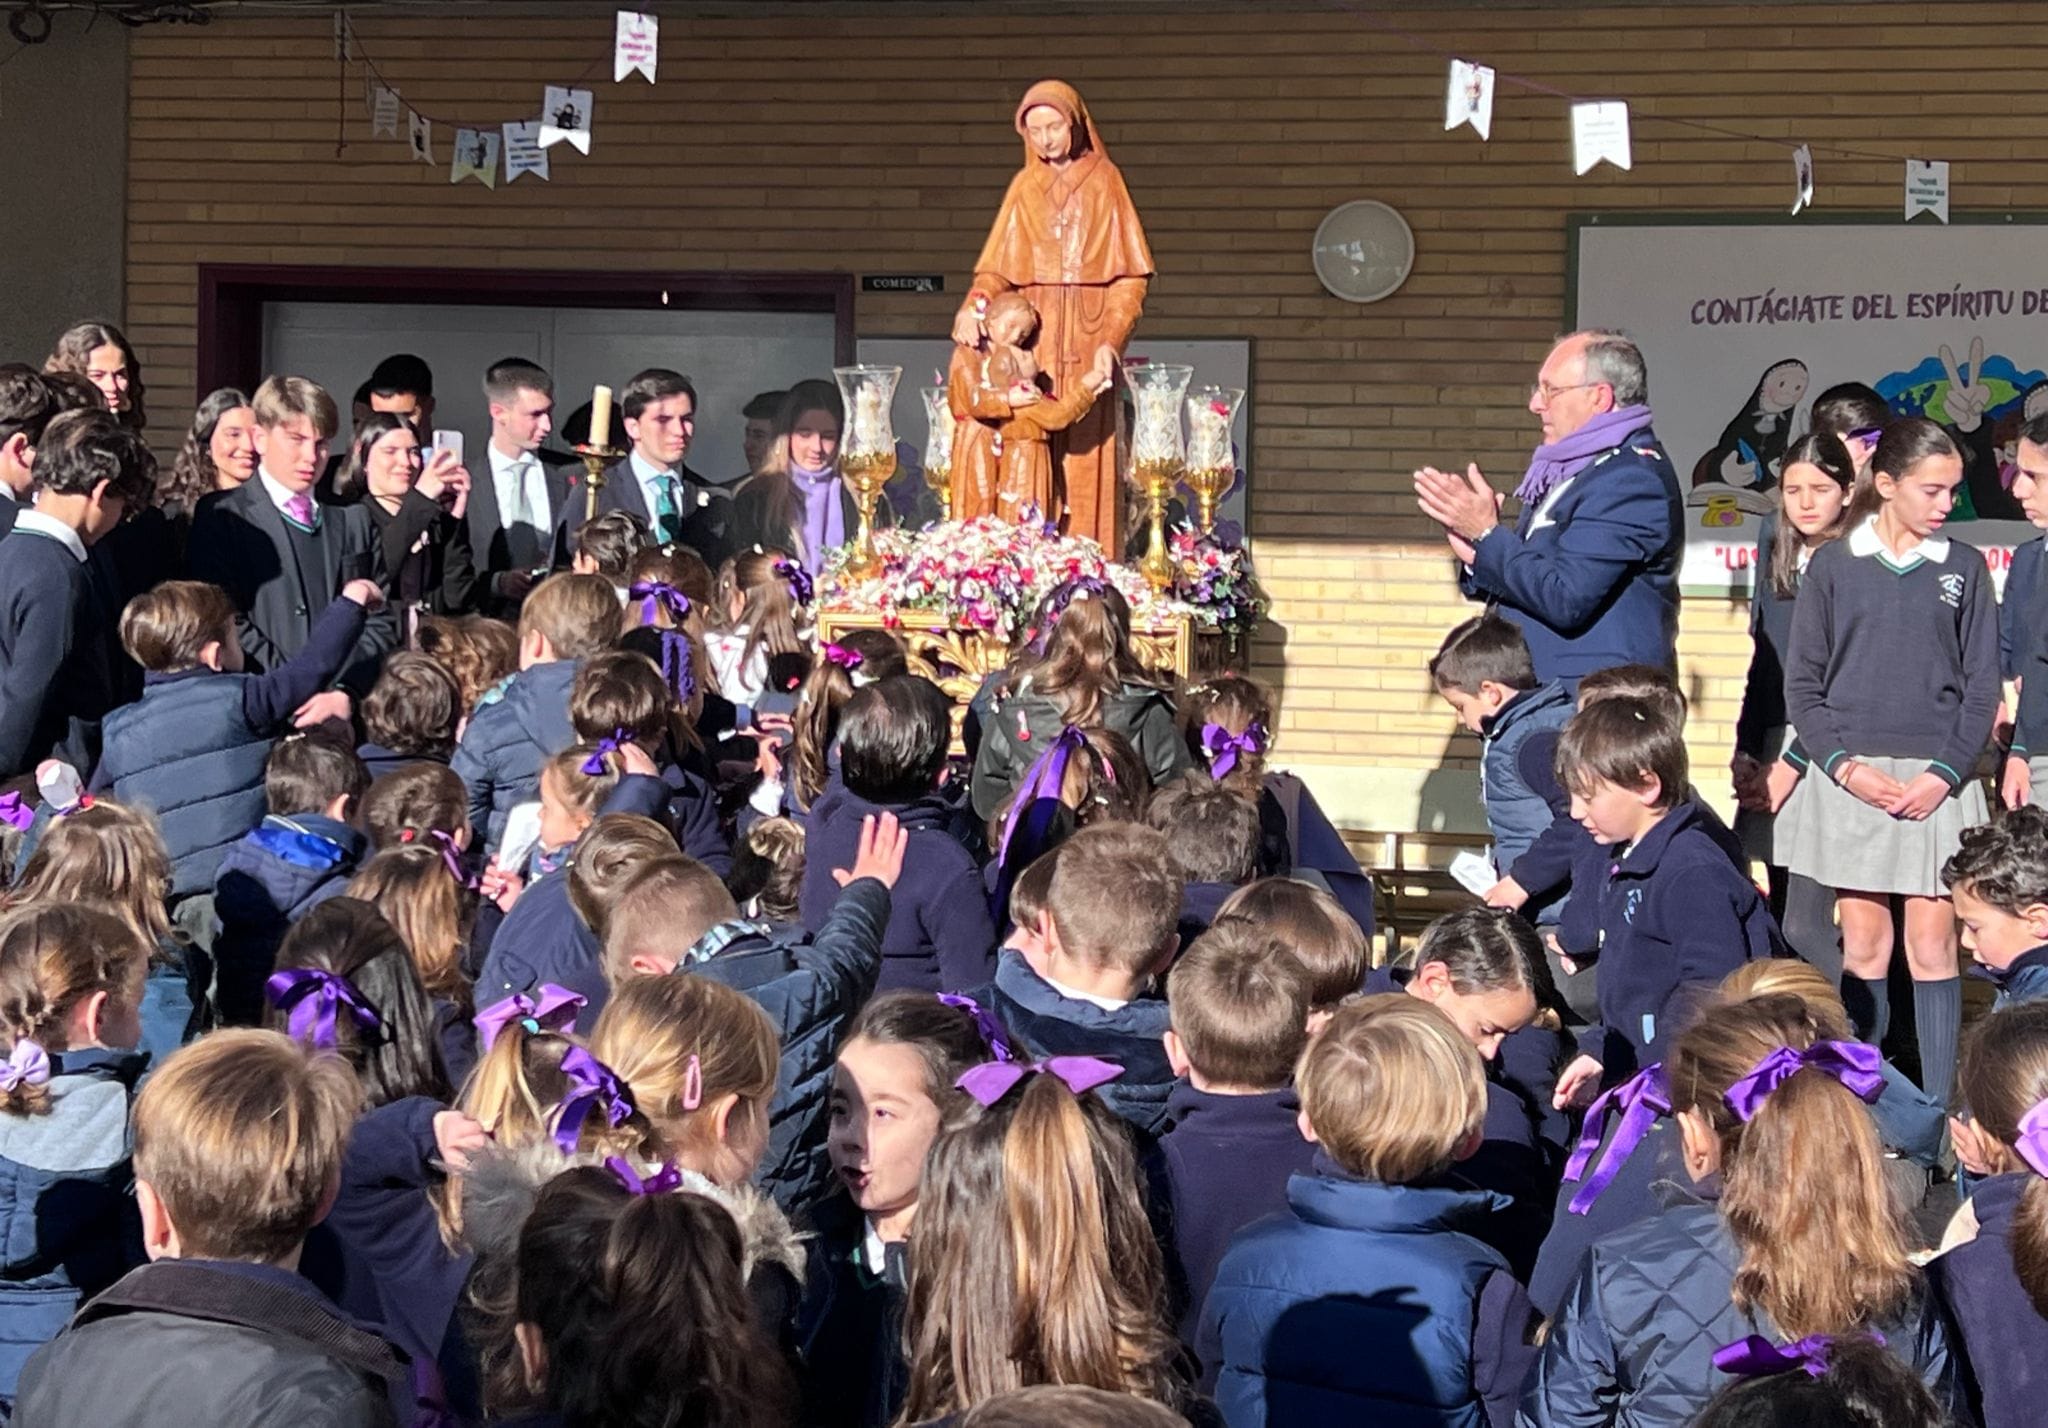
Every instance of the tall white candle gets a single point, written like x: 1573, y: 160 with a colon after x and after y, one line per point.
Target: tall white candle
x: 601, y: 416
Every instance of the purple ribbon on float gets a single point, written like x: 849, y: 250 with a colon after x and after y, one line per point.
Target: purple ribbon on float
x: 658, y: 595
x: 1224, y: 748
x: 989, y: 1082
x: 592, y: 1086
x: 1758, y: 1357
x: 1641, y: 1099
x: 985, y: 1023
x: 676, y: 668
x: 15, y: 812
x: 660, y: 1182
x: 609, y: 744
x: 312, y: 999
x: 1855, y: 1065
x: 2032, y: 1145
x: 798, y: 579
x: 26, y: 1065
x: 847, y: 659
x: 1044, y: 779
x: 550, y: 1008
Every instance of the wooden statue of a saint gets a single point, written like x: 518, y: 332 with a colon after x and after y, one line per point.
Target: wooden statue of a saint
x: 1068, y: 239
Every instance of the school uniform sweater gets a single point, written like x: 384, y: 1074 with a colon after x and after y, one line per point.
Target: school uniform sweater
x: 2024, y: 979
x: 1894, y: 657
x: 2004, y: 1338
x: 56, y: 681
x: 1675, y: 918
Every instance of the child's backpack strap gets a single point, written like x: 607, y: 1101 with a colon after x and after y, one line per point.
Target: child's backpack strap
x: 223, y: 1297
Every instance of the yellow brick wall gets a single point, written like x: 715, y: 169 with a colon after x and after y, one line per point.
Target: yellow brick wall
x: 879, y: 141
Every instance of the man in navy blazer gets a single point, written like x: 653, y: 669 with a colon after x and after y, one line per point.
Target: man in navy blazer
x: 521, y: 492
x: 282, y: 557
x: 660, y: 412
x: 1590, y: 569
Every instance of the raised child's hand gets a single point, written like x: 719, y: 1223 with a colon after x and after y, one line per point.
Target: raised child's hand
x: 882, y: 845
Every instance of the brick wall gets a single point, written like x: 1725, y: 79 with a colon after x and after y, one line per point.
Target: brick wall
x: 880, y: 142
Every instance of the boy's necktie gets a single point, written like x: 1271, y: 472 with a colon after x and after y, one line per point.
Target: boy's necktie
x: 300, y: 512
x: 667, y: 517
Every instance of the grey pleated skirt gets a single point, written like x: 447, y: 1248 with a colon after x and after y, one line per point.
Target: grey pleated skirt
x: 1826, y: 833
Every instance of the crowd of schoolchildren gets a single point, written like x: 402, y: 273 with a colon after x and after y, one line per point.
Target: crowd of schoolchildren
x: 630, y: 1011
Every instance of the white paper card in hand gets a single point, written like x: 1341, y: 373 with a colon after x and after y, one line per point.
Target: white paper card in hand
x: 565, y: 114
x: 1474, y: 872
x: 522, y: 836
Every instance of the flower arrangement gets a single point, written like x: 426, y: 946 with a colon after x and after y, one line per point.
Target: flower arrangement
x: 1214, y: 578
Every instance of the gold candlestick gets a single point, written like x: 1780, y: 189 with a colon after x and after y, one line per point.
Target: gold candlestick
x: 1209, y: 484
x: 595, y: 459
x: 939, y: 481
x: 1156, y: 479
x: 866, y: 475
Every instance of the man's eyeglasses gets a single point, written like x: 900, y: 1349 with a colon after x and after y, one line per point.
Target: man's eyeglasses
x: 1547, y: 394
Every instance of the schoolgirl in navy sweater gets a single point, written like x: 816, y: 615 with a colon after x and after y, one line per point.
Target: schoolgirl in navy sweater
x: 1892, y: 686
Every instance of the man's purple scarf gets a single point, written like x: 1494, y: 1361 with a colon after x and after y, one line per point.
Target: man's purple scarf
x: 1560, y: 460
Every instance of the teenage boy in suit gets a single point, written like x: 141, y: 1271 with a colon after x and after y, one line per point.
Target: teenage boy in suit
x: 660, y: 412
x: 282, y: 557
x: 512, y: 514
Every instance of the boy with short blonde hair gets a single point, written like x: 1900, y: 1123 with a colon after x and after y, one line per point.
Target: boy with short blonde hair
x: 238, y: 1146
x: 1373, y: 1248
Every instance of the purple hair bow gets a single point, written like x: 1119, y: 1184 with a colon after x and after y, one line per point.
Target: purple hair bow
x: 1224, y: 748
x: 847, y: 659
x: 592, y: 1086
x: 550, y: 1008
x: 1854, y: 1064
x: 313, y: 998
x: 451, y: 856
x: 16, y: 813
x: 26, y: 1065
x: 2032, y: 1144
x: 1081, y: 587
x: 993, y: 1080
x: 1641, y: 1099
x: 609, y: 744
x: 799, y: 580
x: 984, y: 1022
x: 1758, y: 1357
x: 661, y: 1182
x: 1044, y: 779
x: 658, y: 595
x: 676, y: 665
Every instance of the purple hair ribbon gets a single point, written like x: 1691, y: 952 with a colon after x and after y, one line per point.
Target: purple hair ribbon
x: 658, y: 595
x: 15, y: 813
x: 609, y: 744
x: 1224, y: 748
x: 984, y: 1022
x: 2032, y: 1144
x: 313, y: 998
x: 660, y: 1182
x: 1044, y: 779
x: 1854, y: 1064
x: 451, y: 856
x: 592, y: 1086
x: 676, y: 662
x: 550, y: 1008
x: 1758, y: 1357
x: 1641, y: 1099
x: 798, y: 579
x: 26, y: 1065
x: 847, y: 659
x: 1080, y: 587
x: 989, y: 1082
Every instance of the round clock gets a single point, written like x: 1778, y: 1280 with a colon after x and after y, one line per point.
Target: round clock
x: 1363, y: 250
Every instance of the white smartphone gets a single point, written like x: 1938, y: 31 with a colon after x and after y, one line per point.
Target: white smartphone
x: 1475, y: 872
x: 522, y: 836
x: 449, y: 441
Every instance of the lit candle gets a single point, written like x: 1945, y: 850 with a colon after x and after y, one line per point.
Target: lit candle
x: 601, y: 416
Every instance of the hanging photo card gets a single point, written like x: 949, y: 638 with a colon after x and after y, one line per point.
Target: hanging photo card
x: 1600, y: 134
x: 523, y: 153
x: 384, y: 111
x: 1802, y: 177
x: 420, y: 132
x: 1927, y: 188
x: 565, y: 114
x: 476, y: 156
x: 1469, y: 99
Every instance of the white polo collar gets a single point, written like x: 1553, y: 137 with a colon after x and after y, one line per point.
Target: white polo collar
x: 1865, y: 541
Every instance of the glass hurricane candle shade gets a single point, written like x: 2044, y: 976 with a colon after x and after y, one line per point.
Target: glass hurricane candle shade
x: 1211, y: 459
x: 867, y: 450
x: 938, y: 448
x: 1158, y: 452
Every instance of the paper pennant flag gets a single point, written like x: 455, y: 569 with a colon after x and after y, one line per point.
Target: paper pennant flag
x: 1469, y: 99
x: 1802, y: 177
x: 639, y: 37
x: 1600, y: 132
x: 419, y: 131
x: 476, y: 156
x: 565, y: 114
x: 1927, y: 188
x: 523, y: 153
x: 384, y: 111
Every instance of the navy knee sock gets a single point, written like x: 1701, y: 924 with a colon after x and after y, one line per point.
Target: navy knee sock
x: 1869, y: 1003
x: 1938, y: 1009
